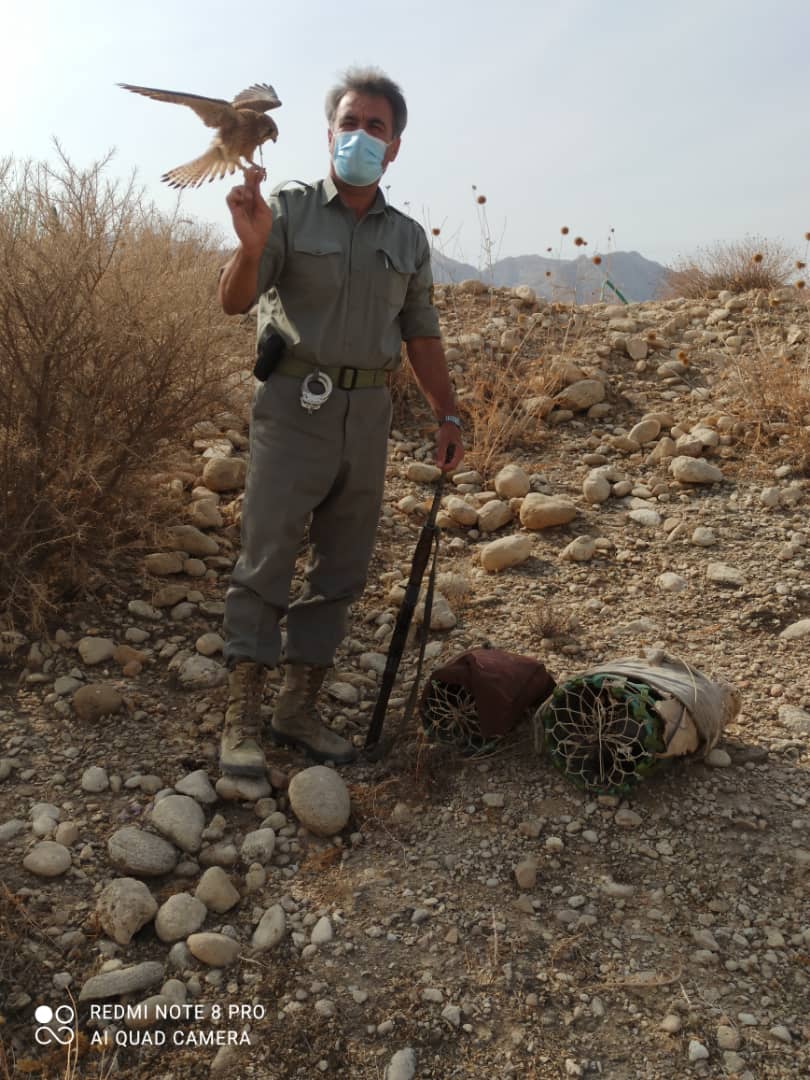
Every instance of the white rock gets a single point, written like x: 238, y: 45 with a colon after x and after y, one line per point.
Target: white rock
x: 718, y: 759
x: 225, y: 474
x: 209, y: 644
x: 506, y: 551
x: 643, y: 516
x: 95, y: 650
x: 545, y: 511
x: 581, y: 395
x: 216, y: 890
x: 728, y: 1038
x: 47, y: 859
x: 770, y: 496
x: 180, y: 819
x: 582, y: 549
x: 596, y: 487
x: 422, y: 473
x: 179, y: 916
x: 512, y: 482
x: 689, y: 470
x: 322, y: 931
x: 790, y: 715
x: 442, y: 616
x: 320, y: 800
x: 344, y: 693
x: 123, y: 907
x: 703, y: 536
x: 216, y: 950
x: 460, y: 511
x: 671, y: 582
x: 126, y: 980
x: 697, y: 1051
x: 645, y: 431
x: 198, y: 786
x: 189, y: 539
x: 722, y: 574
x: 271, y: 929
x: 141, y: 853
x: 258, y: 846
x: 243, y: 788
x: 494, y: 515
x: 402, y: 1065
x: 94, y: 779
x: 796, y: 630
x: 201, y: 673
x: 204, y: 514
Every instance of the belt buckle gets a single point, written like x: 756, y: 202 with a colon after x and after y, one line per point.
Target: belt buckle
x: 311, y: 397
x: 353, y: 382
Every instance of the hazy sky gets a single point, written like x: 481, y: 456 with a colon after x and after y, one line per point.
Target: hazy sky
x: 676, y: 124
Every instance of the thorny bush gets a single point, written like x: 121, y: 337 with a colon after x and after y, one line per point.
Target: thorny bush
x: 112, y: 345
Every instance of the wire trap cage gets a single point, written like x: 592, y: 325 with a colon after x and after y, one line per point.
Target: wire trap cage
x: 479, y: 696
x: 449, y: 716
x: 603, y: 732
x: 610, y: 728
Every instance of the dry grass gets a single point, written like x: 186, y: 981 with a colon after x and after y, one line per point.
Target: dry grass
x: 112, y: 345
x: 772, y: 392
x: 752, y: 263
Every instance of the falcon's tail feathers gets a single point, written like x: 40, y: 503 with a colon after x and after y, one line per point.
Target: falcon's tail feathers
x: 209, y: 166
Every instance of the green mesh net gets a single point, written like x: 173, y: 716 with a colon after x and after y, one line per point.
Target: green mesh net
x: 602, y: 732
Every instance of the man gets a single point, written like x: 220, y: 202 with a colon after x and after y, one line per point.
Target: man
x: 341, y: 278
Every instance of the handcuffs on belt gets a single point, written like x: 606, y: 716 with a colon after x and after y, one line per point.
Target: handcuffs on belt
x: 315, y: 390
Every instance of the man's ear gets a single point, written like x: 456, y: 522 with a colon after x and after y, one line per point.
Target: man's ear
x: 391, y: 152
x: 329, y: 138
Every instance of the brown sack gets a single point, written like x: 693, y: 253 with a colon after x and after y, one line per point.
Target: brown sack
x: 504, y: 685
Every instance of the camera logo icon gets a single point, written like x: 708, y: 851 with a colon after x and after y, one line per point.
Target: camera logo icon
x: 54, y: 1025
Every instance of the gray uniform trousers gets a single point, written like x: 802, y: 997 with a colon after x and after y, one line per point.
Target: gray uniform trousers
x: 329, y: 464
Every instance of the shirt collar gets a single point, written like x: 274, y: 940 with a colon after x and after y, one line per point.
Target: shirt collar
x: 329, y: 191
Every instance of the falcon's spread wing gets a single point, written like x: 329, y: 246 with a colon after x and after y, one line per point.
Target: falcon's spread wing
x: 260, y: 97
x: 214, y: 112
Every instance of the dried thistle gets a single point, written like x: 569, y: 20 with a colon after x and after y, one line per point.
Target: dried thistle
x: 757, y: 257
x: 597, y: 260
x: 565, y: 230
x: 579, y: 242
x: 683, y: 356
x: 807, y: 237
x: 800, y: 265
x: 548, y: 273
x: 481, y: 200
x: 800, y: 284
x: 436, y: 232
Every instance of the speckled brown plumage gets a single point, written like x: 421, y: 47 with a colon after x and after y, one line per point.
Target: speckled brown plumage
x: 241, y: 125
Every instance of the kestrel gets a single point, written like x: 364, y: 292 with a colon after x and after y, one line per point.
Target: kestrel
x: 241, y: 127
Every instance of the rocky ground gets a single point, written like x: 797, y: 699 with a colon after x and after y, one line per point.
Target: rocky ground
x: 461, y: 916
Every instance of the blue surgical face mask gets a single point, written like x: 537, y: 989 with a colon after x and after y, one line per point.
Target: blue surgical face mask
x: 358, y: 157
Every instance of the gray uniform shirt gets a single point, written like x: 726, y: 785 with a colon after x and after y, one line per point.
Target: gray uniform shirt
x: 339, y: 290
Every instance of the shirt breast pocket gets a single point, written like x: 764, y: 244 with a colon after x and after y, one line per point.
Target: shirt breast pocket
x: 317, y: 265
x: 393, y: 274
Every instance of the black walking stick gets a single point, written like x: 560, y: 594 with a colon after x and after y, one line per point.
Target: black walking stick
x: 428, y: 538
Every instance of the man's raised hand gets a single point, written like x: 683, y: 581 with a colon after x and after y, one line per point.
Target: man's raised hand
x: 251, y: 216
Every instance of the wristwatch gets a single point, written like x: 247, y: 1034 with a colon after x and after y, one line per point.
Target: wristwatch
x: 450, y: 419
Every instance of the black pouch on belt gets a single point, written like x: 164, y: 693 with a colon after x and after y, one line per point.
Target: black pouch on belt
x: 268, y: 353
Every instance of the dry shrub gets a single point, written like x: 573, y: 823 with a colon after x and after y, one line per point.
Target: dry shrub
x: 752, y: 263
x: 772, y: 393
x: 112, y: 344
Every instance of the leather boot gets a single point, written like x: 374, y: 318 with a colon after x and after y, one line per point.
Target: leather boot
x: 296, y: 721
x: 240, y: 750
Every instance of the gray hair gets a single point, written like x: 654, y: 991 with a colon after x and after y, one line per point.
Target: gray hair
x: 369, y: 80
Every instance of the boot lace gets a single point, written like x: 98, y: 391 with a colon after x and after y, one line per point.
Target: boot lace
x: 250, y: 684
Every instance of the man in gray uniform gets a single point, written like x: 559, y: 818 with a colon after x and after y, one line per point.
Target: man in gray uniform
x: 341, y: 278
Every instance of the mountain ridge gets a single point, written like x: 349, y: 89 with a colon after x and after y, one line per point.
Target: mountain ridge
x: 571, y: 280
